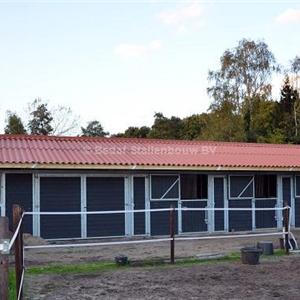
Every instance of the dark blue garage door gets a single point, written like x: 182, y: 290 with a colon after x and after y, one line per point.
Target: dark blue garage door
x: 19, y: 191
x: 105, y: 193
x: 139, y: 203
x: 219, y: 203
x: 194, y: 221
x: 240, y: 220
x: 60, y: 194
x: 286, y: 190
x: 160, y: 222
x: 265, y: 219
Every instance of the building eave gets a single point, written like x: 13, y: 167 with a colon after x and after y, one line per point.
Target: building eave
x: 33, y: 166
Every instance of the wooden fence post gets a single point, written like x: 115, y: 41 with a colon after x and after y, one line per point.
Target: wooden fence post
x: 17, y: 215
x: 4, y: 234
x: 286, y: 218
x: 172, y: 234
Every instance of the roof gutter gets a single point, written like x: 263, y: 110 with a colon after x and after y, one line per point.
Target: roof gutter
x: 143, y: 167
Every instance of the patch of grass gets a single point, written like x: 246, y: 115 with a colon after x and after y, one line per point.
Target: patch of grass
x: 12, y: 285
x: 71, y: 268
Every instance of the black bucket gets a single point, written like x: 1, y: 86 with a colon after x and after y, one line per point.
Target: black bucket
x: 250, y: 255
x: 266, y: 247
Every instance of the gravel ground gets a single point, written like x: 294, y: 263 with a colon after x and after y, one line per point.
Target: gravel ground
x: 278, y: 277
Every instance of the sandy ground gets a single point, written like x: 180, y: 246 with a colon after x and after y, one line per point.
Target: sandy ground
x: 160, y: 250
x: 278, y: 277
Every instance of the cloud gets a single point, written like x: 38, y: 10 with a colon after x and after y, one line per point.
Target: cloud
x: 289, y: 16
x: 137, y: 50
x: 183, y: 17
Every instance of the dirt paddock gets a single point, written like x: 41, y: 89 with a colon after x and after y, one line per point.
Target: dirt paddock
x: 160, y: 250
x: 278, y: 277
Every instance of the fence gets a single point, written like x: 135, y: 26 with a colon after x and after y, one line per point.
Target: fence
x: 6, y: 245
x: 17, y: 239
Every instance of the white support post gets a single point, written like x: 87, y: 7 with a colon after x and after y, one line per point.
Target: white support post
x: 83, y: 204
x: 226, y: 214
x: 253, y: 214
x: 131, y: 204
x: 210, y: 204
x: 147, y: 206
x: 36, y: 204
x: 128, y: 185
x: 292, y: 211
x: 253, y: 204
x: 179, y: 213
x: 279, y: 201
x: 2, y: 196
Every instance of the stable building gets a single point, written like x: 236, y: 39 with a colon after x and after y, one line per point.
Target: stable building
x: 79, y: 174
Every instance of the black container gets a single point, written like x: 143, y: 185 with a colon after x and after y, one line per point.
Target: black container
x: 266, y: 247
x: 250, y: 255
x: 121, y: 260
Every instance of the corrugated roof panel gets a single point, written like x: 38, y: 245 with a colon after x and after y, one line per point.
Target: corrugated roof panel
x: 148, y: 152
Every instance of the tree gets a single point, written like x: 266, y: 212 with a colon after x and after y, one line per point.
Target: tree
x: 41, y: 118
x: 262, y: 127
x: 295, y: 65
x: 14, y: 124
x: 166, y: 128
x: 193, y: 126
x: 94, y: 129
x: 245, y: 73
x: 223, y: 124
x: 137, y: 132
x: 64, y: 121
x: 289, y: 107
x: 295, y: 73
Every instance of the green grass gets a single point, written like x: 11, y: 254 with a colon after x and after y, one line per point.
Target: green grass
x: 11, y: 285
x: 111, y: 266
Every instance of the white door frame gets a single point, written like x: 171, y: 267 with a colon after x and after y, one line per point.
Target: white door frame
x: 36, y: 219
x: 280, y: 198
x: 2, y: 195
x: 131, y: 203
x: 210, y: 204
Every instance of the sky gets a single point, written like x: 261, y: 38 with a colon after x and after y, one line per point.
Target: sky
x: 119, y: 62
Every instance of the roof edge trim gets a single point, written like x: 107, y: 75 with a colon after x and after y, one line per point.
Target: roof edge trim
x: 142, y: 167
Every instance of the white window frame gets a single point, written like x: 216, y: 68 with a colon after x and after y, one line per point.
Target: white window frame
x: 244, y: 189
x: 177, y: 181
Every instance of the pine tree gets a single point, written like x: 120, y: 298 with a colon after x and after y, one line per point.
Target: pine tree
x: 289, y: 110
x: 14, y: 124
x: 94, y: 129
x: 40, y: 124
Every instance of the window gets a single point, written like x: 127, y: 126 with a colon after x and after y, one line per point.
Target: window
x: 265, y: 186
x: 164, y: 187
x: 241, y: 187
x: 193, y: 186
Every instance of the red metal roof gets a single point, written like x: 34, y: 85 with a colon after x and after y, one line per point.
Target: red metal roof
x: 34, y: 151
